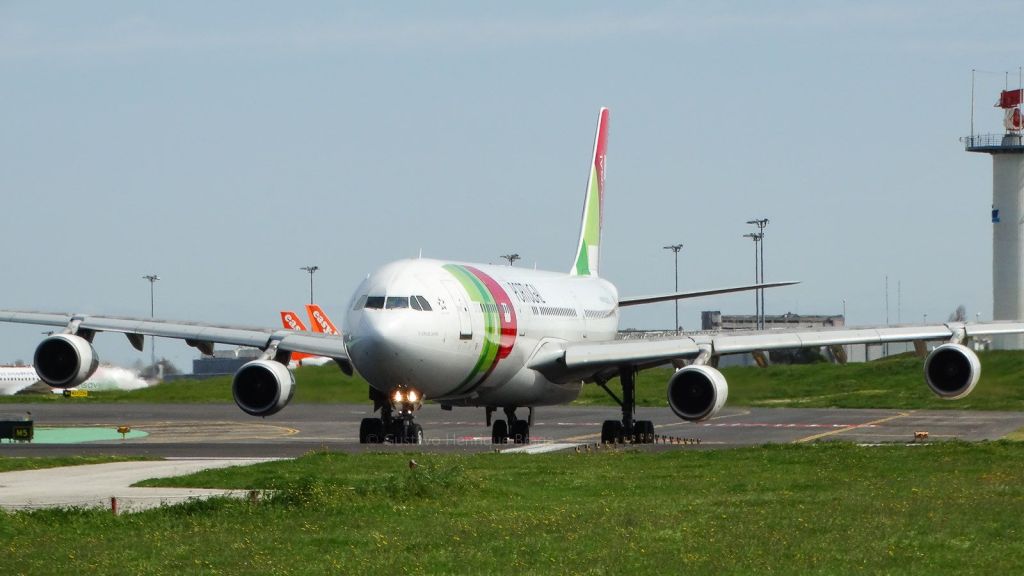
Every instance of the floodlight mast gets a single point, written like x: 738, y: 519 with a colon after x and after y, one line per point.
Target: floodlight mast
x: 761, y: 223
x: 756, y: 237
x: 511, y: 258
x: 152, y: 339
x: 675, y: 248
x: 311, y: 270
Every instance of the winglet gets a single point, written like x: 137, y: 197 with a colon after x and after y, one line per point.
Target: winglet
x: 587, y: 254
x: 321, y: 323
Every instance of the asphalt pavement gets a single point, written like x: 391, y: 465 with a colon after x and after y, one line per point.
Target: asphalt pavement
x: 223, y: 431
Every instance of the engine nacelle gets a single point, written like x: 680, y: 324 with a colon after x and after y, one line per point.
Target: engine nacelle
x: 263, y: 387
x: 697, y: 392
x: 952, y: 370
x: 65, y: 360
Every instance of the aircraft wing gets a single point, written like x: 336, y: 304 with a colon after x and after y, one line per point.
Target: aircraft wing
x: 633, y: 301
x: 201, y: 336
x: 585, y: 360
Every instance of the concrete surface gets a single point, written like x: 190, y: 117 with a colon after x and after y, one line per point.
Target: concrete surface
x: 93, y: 485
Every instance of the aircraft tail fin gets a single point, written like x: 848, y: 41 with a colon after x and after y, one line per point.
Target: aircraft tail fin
x: 290, y: 321
x: 318, y: 318
x: 587, y: 253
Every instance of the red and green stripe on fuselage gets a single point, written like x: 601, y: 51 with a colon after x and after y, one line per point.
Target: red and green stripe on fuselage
x: 500, y: 323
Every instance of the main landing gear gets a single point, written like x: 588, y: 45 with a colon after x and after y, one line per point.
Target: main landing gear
x: 515, y: 429
x: 396, y: 423
x: 628, y: 429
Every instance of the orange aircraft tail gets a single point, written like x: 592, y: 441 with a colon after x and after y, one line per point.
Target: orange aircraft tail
x: 291, y: 321
x: 318, y: 318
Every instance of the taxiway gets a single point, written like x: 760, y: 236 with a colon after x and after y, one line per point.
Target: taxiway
x: 222, y: 431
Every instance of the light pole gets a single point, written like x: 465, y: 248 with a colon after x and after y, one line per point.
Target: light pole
x: 761, y: 223
x: 311, y: 270
x: 511, y: 258
x: 675, y: 248
x: 756, y: 237
x: 152, y: 339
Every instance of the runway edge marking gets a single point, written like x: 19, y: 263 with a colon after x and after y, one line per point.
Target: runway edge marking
x: 540, y: 448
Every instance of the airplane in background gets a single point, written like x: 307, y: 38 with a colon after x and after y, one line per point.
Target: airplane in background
x: 291, y: 321
x: 320, y: 321
x: 14, y: 379
x: 498, y: 338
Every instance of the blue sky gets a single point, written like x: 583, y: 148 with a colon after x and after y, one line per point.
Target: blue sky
x: 224, y: 145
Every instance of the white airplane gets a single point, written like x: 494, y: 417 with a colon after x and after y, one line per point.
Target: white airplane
x: 14, y: 379
x: 496, y: 337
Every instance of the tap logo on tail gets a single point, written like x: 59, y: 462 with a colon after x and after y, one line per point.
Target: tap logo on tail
x: 587, y: 253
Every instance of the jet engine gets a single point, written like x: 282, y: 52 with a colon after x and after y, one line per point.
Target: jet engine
x: 263, y: 387
x: 952, y: 370
x: 65, y: 360
x: 697, y: 392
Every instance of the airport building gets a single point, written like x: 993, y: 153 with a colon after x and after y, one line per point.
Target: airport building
x: 715, y: 320
x: 223, y: 362
x: 1007, y: 151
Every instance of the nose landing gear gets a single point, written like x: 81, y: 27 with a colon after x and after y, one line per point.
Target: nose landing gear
x: 396, y: 423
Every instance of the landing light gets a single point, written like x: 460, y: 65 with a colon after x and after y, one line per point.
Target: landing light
x: 406, y: 399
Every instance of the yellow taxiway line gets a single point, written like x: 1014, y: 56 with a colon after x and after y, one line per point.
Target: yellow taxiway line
x: 851, y: 427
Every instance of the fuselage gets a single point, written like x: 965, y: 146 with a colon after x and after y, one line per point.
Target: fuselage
x: 13, y: 379
x: 464, y: 334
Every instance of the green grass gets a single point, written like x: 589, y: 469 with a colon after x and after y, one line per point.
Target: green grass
x: 896, y: 382
x: 314, y: 384
x: 14, y: 464
x: 1016, y: 435
x: 945, y: 508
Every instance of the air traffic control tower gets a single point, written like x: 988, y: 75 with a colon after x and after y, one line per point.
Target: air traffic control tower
x: 1007, y: 152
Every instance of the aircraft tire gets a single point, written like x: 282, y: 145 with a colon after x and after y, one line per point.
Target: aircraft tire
x: 521, y: 432
x: 415, y: 434
x: 371, y: 431
x: 643, y: 432
x: 499, y: 432
x: 611, y: 432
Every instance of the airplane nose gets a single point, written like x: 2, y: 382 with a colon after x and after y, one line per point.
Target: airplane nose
x: 380, y: 351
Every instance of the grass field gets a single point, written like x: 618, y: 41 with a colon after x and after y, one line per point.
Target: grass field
x: 315, y: 384
x: 945, y: 508
x: 14, y: 464
x: 896, y: 382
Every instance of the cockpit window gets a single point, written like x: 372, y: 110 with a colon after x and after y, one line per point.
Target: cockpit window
x: 395, y: 302
x: 360, y: 302
x: 419, y: 303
